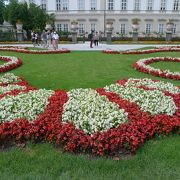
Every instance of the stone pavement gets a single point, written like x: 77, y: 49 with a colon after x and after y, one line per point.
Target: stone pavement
x: 85, y: 46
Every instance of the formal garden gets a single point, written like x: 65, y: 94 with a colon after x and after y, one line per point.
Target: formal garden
x: 89, y: 115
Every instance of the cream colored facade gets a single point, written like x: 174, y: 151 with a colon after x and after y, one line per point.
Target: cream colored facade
x: 93, y: 14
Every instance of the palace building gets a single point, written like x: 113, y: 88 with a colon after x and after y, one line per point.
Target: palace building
x: 94, y: 14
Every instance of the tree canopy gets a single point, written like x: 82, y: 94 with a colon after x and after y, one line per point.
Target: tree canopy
x: 2, y: 7
x: 31, y: 16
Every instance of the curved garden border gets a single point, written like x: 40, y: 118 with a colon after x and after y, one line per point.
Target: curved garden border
x: 25, y: 50
x: 148, y: 51
x: 49, y: 126
x: 11, y: 63
x: 126, y: 137
x: 143, y: 66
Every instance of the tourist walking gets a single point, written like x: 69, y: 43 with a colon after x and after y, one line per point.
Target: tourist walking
x: 55, y: 39
x: 36, y: 38
x: 96, y: 39
x: 33, y: 38
x: 44, y: 39
x: 91, y: 38
x: 49, y: 38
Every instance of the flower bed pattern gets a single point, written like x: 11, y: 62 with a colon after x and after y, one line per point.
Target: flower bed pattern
x: 11, y: 63
x: 143, y: 66
x: 148, y: 51
x: 48, y: 123
x: 25, y: 50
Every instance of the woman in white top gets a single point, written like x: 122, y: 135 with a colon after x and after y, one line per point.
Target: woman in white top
x: 55, y: 39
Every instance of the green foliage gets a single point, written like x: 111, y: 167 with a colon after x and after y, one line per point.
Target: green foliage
x: 7, y: 36
x: 2, y: 7
x: 32, y: 16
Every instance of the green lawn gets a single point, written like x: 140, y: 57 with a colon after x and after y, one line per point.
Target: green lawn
x: 156, y: 160
x: 85, y: 70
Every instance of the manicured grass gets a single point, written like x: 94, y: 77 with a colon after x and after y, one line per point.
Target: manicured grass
x: 172, y: 66
x: 158, y: 159
x: 80, y: 69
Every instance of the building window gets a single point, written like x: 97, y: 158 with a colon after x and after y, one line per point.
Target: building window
x: 110, y: 4
x: 163, y: 5
x: 123, y: 29
x: 148, y: 28
x: 43, y: 4
x: 136, y: 5
x: 93, y: 27
x: 81, y: 4
x: 93, y: 4
x: 62, y: 5
x: 176, y: 5
x: 123, y: 4
x: 161, y: 29
x: 149, y: 5
x: 81, y: 28
x: 62, y: 27
x: 174, y: 30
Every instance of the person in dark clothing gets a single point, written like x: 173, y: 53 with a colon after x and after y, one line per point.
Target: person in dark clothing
x: 90, y: 37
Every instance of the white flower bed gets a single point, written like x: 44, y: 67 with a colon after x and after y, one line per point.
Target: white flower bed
x: 9, y: 78
x: 154, y: 102
x: 91, y: 112
x: 159, y: 85
x: 10, y: 88
x: 13, y: 61
x: 25, y: 105
x: 143, y: 63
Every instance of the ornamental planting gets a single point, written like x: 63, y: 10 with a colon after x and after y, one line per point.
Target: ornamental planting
x: 91, y: 112
x: 106, y: 121
x: 143, y: 66
x: 26, y: 50
x: 101, y: 122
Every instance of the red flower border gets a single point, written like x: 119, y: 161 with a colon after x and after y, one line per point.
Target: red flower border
x: 160, y: 73
x: 148, y: 51
x: 25, y: 50
x: 48, y: 127
x: 11, y: 66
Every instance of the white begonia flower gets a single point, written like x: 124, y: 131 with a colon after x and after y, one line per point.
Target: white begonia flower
x: 25, y: 105
x: 9, y: 78
x: 10, y: 88
x: 159, y: 85
x: 154, y: 102
x: 91, y: 112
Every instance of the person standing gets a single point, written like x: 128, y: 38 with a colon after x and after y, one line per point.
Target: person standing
x: 96, y: 39
x: 55, y: 39
x: 44, y: 39
x: 33, y: 38
x: 91, y: 38
x: 36, y: 38
x: 49, y: 37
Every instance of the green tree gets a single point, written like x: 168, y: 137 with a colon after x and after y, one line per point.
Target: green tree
x: 32, y: 16
x: 2, y: 7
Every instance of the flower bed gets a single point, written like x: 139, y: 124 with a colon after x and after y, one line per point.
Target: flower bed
x: 25, y: 50
x: 147, y: 51
x: 68, y: 119
x: 11, y: 63
x: 143, y: 66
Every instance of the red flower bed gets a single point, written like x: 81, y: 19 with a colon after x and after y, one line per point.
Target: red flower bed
x: 48, y: 127
x: 25, y: 50
x: 141, y: 66
x: 13, y: 65
x: 148, y: 51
